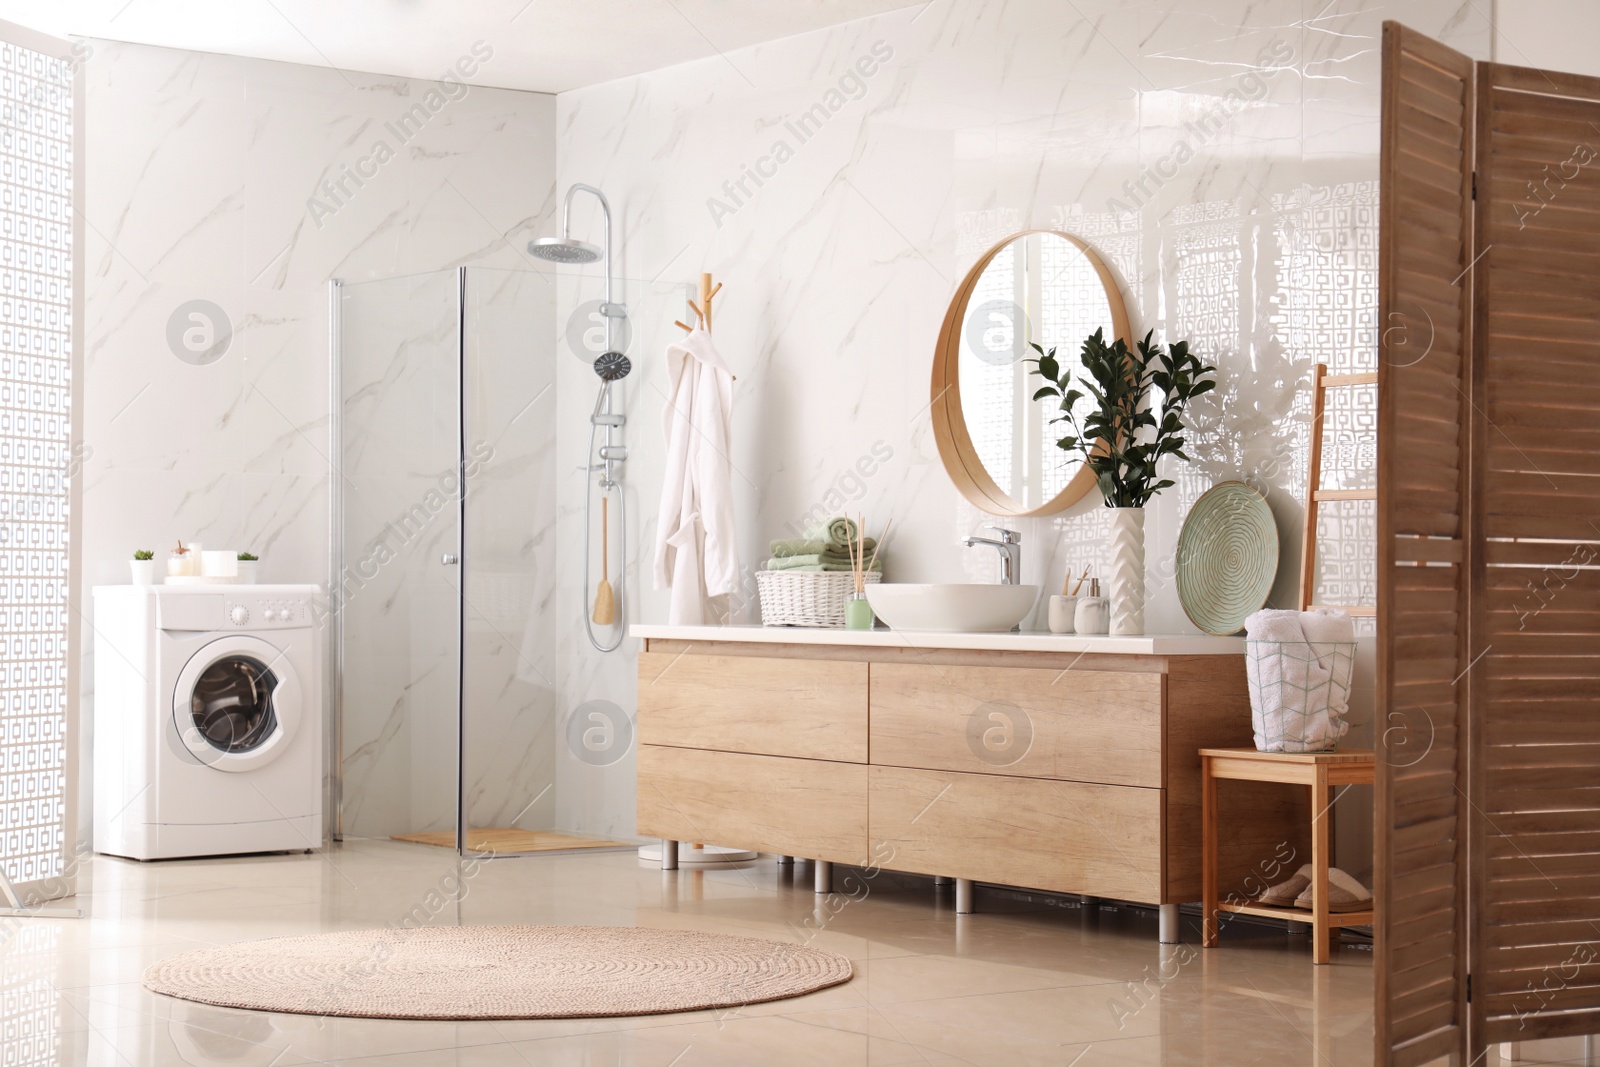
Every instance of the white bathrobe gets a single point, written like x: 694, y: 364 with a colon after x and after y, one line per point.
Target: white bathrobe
x: 695, y: 553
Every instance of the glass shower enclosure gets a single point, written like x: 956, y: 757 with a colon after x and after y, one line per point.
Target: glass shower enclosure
x: 449, y: 649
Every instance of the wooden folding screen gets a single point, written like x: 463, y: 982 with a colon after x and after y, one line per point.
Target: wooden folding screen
x: 1489, y: 555
x: 1534, y: 768
x: 1425, y: 256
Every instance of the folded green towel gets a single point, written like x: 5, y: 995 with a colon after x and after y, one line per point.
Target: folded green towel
x: 840, y: 531
x: 799, y: 546
x: 812, y: 563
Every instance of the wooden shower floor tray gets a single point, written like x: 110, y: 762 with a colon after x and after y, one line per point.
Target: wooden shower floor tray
x: 507, y: 841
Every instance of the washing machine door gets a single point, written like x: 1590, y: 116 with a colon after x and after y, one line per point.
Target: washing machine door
x: 236, y: 704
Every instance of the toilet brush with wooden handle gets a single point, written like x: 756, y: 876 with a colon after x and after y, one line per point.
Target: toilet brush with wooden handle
x: 605, y: 601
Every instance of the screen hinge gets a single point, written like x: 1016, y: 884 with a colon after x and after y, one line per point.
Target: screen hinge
x: 1474, y: 185
x: 1469, y: 988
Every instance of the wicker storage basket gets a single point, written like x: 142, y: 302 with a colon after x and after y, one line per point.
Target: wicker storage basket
x: 806, y: 598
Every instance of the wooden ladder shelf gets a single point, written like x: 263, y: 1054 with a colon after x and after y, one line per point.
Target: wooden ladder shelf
x: 1321, y: 382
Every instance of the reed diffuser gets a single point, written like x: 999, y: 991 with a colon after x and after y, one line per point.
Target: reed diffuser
x: 857, y: 612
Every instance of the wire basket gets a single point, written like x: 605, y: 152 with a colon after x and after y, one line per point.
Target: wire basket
x: 1299, y: 693
x: 806, y: 598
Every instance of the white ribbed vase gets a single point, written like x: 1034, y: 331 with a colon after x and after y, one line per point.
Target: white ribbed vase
x: 1126, y: 587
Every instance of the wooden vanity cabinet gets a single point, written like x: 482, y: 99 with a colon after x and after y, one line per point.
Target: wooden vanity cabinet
x: 1071, y: 772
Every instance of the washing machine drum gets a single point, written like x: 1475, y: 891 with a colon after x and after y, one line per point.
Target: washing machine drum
x: 236, y: 704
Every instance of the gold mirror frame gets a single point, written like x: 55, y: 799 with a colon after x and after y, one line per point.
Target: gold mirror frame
x: 960, y: 456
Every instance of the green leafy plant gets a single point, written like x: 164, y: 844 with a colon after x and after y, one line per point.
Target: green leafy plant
x: 1120, y: 381
x: 247, y: 557
x: 143, y: 553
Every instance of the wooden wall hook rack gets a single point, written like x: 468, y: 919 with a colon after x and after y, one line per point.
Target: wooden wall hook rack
x: 702, y: 308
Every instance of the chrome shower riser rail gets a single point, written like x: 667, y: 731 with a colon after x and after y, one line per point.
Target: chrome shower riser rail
x: 603, y: 417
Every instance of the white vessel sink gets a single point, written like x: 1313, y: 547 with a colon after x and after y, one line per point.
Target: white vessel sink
x: 951, y: 608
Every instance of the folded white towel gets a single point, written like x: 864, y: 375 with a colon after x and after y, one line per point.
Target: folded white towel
x: 1271, y: 624
x: 1327, y: 624
x: 1300, y: 690
x: 1324, y: 627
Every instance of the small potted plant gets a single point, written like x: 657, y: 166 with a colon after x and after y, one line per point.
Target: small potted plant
x: 1122, y: 438
x: 143, y: 565
x: 248, y: 562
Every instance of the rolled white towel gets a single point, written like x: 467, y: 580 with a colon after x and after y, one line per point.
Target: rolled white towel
x: 1327, y: 624
x: 1273, y: 625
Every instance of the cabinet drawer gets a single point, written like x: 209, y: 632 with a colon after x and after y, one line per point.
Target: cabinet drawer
x: 813, y: 709
x: 1082, y: 726
x: 792, y: 807
x: 1102, y: 840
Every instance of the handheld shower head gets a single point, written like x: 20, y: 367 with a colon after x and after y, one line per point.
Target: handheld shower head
x: 564, y: 250
x: 613, y: 367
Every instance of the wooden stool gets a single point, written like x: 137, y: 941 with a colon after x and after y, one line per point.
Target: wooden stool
x: 1319, y: 770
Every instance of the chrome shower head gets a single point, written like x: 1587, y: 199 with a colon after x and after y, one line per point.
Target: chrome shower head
x: 564, y: 250
x: 613, y: 367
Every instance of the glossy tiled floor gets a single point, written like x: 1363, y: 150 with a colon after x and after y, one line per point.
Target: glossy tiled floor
x: 1038, y: 982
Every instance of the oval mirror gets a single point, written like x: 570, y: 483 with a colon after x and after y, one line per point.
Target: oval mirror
x: 998, y: 444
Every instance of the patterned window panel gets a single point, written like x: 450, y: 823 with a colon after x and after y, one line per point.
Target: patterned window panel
x: 36, y: 454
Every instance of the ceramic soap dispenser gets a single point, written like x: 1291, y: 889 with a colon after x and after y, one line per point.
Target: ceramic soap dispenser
x: 1092, y: 614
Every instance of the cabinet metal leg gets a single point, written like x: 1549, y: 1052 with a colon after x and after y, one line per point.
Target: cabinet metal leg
x: 940, y: 881
x: 1169, y: 924
x: 963, y: 896
x: 669, y: 855
x: 823, y: 876
x: 785, y: 861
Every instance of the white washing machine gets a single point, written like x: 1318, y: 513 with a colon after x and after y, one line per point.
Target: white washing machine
x: 207, y: 720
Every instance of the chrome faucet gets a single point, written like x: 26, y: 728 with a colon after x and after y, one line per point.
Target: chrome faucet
x: 1010, y: 546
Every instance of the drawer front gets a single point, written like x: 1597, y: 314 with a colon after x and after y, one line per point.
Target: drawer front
x: 1081, y: 726
x: 1069, y: 837
x: 793, y: 807
x: 812, y: 709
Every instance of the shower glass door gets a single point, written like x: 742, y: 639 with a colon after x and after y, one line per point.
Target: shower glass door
x: 397, y: 551
x: 473, y: 712
x: 510, y: 629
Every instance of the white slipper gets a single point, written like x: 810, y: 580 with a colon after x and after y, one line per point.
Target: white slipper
x: 1283, y: 894
x: 1344, y: 893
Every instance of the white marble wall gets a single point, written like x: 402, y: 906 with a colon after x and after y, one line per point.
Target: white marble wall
x: 976, y: 119
x: 200, y: 169
x: 1553, y: 34
x: 979, y: 119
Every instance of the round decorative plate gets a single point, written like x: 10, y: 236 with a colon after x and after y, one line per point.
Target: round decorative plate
x: 1227, y: 558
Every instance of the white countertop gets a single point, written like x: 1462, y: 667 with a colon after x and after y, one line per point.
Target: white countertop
x: 1030, y: 641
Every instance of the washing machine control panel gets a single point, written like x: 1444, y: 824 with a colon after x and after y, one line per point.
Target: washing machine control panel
x: 268, y: 613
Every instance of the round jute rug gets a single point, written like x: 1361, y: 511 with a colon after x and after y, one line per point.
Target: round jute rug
x: 497, y: 972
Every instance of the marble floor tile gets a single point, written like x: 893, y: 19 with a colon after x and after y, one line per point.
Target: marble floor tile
x: 1027, y: 980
